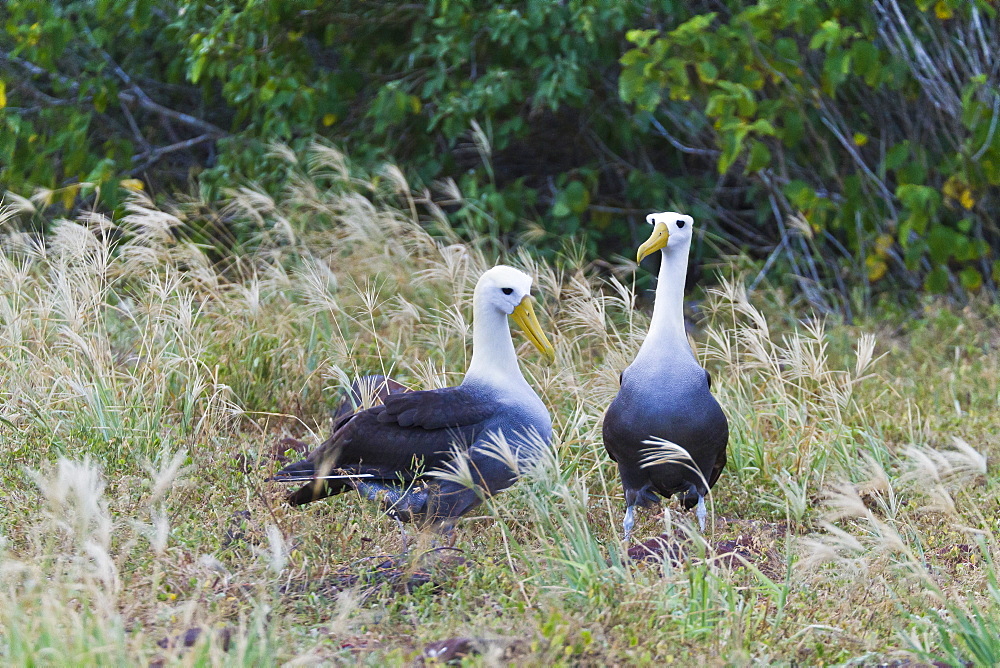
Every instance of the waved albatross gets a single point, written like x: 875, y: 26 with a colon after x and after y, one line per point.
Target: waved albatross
x: 395, y: 448
x: 665, y: 394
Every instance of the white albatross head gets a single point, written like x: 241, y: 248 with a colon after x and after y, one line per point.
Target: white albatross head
x: 670, y: 230
x: 509, y: 291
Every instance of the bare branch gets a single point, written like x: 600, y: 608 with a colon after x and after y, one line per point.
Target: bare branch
x: 662, y: 131
x: 134, y: 95
x: 156, y: 154
x: 136, y: 132
x: 993, y: 128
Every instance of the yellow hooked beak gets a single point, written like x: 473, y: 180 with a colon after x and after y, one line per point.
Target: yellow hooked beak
x: 657, y: 240
x: 524, y: 316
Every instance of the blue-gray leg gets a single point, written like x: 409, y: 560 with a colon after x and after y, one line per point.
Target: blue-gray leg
x: 629, y: 522
x: 401, y: 503
x: 701, y: 512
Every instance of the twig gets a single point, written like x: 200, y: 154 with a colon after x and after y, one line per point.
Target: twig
x: 156, y: 154
x: 767, y: 264
x: 993, y: 127
x: 676, y: 144
x: 136, y: 132
x: 134, y: 95
x: 858, y: 160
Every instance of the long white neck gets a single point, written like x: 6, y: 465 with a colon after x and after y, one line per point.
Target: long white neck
x: 494, y: 361
x: 667, y: 336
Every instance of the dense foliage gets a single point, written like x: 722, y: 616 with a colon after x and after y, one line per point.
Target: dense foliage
x: 849, y: 142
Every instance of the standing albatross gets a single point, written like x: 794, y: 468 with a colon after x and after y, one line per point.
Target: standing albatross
x: 665, y: 394
x: 395, y: 449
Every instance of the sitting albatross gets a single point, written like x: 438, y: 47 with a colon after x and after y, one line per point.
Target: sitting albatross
x: 392, y: 451
x: 665, y: 394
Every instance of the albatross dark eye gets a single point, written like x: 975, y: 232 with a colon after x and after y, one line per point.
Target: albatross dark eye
x: 507, y: 291
x: 680, y: 224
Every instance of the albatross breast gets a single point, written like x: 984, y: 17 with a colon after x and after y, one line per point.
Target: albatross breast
x: 671, y: 404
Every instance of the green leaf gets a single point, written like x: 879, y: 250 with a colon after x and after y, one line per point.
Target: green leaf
x: 197, y: 67
x: 897, y: 155
x: 641, y: 38
x: 707, y: 72
x: 792, y: 128
x: 800, y: 194
x: 971, y: 279
x: 787, y: 49
x: 836, y: 68
x: 760, y: 157
x: 762, y: 127
x: 574, y: 199
x: 919, y: 198
x: 560, y: 209
x: 962, y: 249
x: 578, y: 197
x: 102, y: 172
x: 732, y: 144
x: 940, y: 244
x: 827, y: 35
x: 921, y: 202
x: 268, y: 90
x: 101, y: 100
x: 936, y: 281
x: 865, y: 61
x: 693, y: 28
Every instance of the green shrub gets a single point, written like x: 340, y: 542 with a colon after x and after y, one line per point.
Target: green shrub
x: 855, y: 142
x: 874, y: 124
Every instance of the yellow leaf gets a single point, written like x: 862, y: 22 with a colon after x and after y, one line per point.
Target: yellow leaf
x: 883, y: 244
x: 329, y: 119
x: 943, y: 11
x: 860, y: 139
x: 3, y: 94
x: 132, y: 184
x: 951, y: 188
x: 966, y: 199
x: 69, y: 196
x: 877, y: 268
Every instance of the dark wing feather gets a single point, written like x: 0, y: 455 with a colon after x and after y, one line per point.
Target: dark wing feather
x: 720, y: 464
x: 437, y: 409
x: 489, y: 475
x: 375, y: 386
x: 411, y: 432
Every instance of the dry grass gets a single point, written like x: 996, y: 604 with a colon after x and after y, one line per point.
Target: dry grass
x: 144, y: 387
